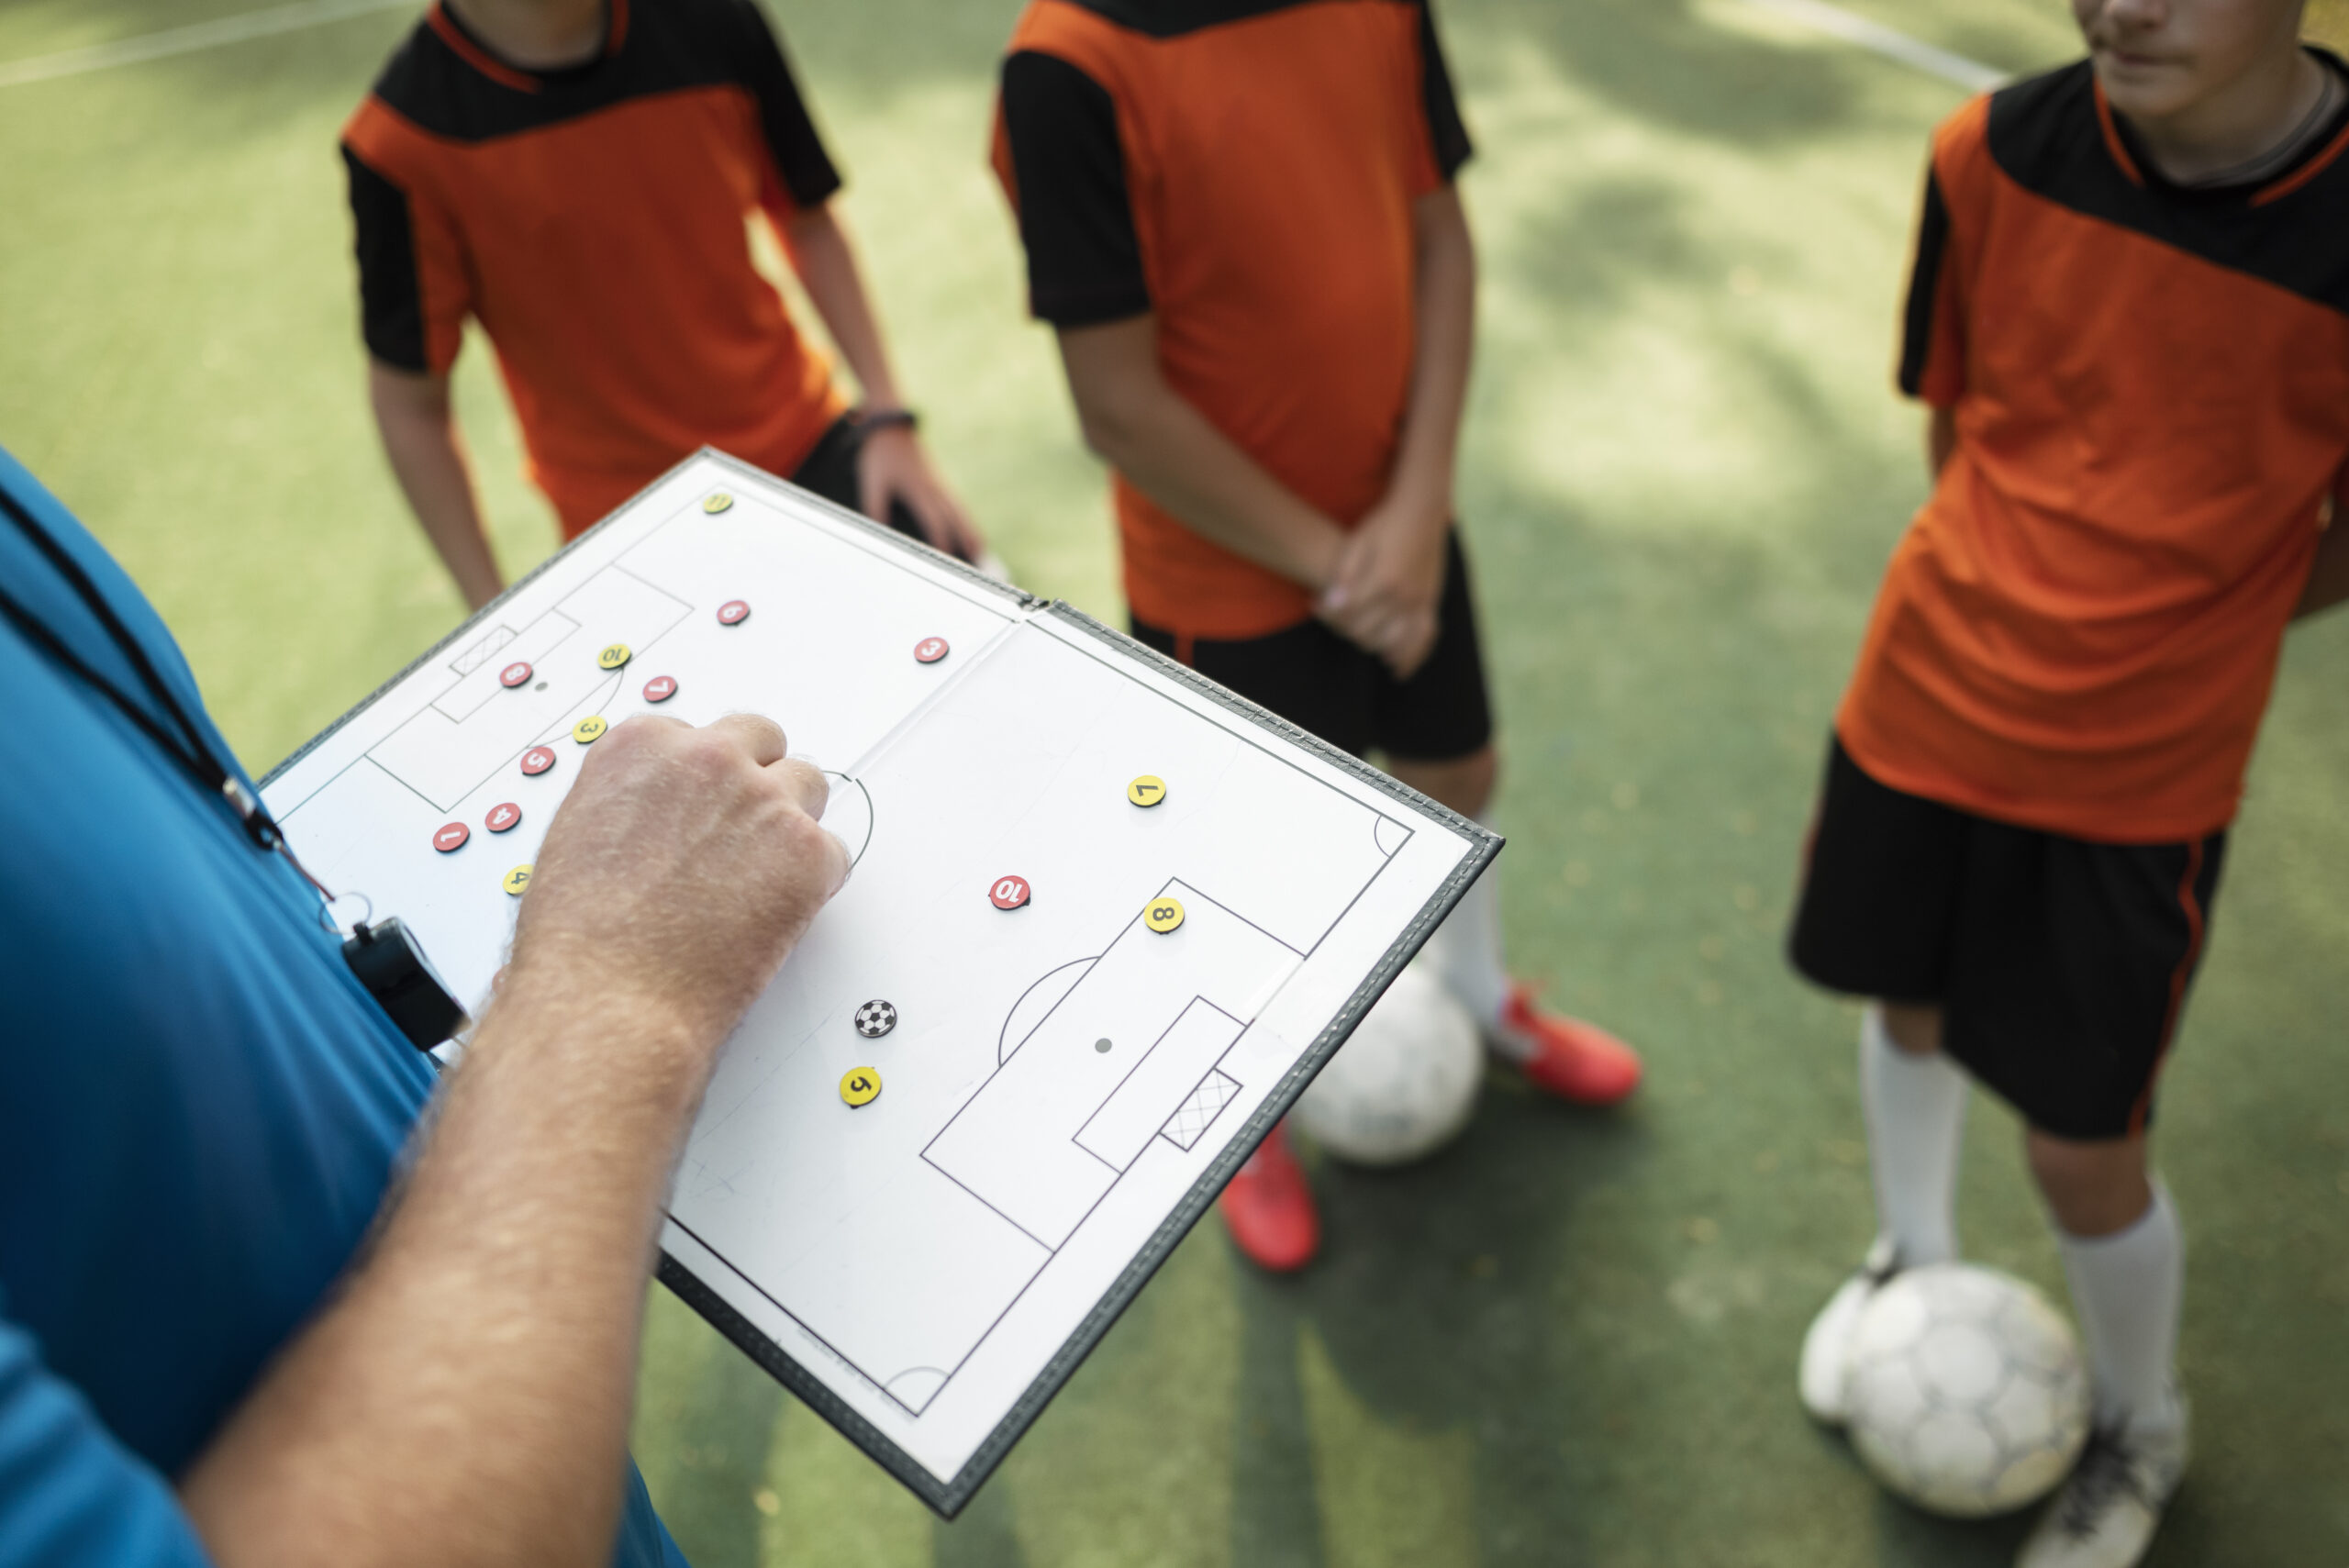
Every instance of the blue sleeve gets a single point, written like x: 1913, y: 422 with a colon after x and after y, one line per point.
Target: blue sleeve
x: 643, y: 1540
x: 70, y: 1496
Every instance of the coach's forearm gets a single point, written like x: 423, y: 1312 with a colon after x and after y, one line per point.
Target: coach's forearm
x: 428, y: 457
x: 1153, y: 436
x: 465, y: 1399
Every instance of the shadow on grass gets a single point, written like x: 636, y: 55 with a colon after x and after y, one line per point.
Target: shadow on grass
x: 1660, y: 62
x: 1432, y: 1299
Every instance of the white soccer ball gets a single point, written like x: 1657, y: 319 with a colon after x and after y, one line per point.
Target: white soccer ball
x: 1966, y: 1392
x: 1404, y: 1084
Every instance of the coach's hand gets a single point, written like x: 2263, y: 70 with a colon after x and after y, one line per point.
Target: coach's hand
x: 463, y: 1396
x: 680, y: 872
x: 892, y: 466
x: 1388, y: 582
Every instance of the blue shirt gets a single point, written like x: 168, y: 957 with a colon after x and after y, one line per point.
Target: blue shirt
x: 199, y: 1105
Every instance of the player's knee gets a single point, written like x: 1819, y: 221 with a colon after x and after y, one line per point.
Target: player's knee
x: 1913, y: 1026
x: 1464, y: 784
x: 2094, y: 1188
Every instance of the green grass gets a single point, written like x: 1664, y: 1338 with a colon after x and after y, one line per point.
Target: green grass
x: 1569, y: 1339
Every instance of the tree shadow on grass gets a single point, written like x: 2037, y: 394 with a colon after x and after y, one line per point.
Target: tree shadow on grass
x: 1434, y: 1303
x: 1659, y: 61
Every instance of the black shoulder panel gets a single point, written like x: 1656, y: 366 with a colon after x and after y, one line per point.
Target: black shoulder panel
x: 391, y: 304
x: 1446, y: 132
x: 671, y: 45
x: 1077, y: 219
x: 2044, y: 135
x: 1924, y: 287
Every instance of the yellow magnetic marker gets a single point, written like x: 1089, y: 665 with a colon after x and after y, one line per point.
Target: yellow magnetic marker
x: 1162, y: 914
x: 590, y: 728
x: 612, y: 658
x: 1147, y: 790
x: 859, y: 1085
x: 517, y: 880
x: 716, y: 503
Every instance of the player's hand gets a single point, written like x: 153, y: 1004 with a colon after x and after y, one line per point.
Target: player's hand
x: 1388, y: 581
x: 678, y: 875
x: 893, y: 467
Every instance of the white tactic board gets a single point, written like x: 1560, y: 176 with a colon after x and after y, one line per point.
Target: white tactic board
x: 1063, y: 1088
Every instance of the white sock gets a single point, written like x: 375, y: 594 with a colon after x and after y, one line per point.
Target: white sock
x: 2128, y: 1288
x: 1916, y: 1115
x: 1465, y: 951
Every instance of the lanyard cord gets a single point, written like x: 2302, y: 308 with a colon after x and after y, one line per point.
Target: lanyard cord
x: 195, y: 756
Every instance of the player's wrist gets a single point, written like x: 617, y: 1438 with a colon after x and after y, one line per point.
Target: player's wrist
x: 883, y: 415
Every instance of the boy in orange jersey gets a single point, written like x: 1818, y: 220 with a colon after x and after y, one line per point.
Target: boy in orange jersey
x: 1239, y: 215
x: 579, y: 175
x: 2130, y: 319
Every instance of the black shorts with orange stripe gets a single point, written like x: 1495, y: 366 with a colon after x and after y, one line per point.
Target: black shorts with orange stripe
x: 2061, y: 966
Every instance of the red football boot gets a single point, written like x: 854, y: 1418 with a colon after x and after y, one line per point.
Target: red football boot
x: 1566, y: 1057
x: 1269, y: 1207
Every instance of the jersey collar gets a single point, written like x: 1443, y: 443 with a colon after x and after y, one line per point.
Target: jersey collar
x: 477, y: 54
x: 2320, y: 154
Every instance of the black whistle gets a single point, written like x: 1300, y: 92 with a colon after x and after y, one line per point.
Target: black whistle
x: 392, y: 967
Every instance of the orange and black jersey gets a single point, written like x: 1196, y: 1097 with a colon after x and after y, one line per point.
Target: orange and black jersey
x: 593, y: 220
x: 1245, y: 169
x: 2150, y: 389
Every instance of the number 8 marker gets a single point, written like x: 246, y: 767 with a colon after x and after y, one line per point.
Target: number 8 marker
x: 1162, y: 914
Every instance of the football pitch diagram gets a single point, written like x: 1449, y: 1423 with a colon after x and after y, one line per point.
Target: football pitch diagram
x: 1104, y: 921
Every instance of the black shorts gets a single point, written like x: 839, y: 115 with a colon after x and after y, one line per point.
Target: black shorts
x: 830, y: 470
x: 1317, y: 680
x: 2060, y: 966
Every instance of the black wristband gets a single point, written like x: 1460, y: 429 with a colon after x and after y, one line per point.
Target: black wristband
x: 887, y: 419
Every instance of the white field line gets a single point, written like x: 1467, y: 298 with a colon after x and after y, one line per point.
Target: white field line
x: 1833, y: 21
x: 1836, y: 22
x: 187, y: 39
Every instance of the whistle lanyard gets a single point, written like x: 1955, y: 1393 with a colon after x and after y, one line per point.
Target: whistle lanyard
x: 385, y: 957
x: 187, y: 748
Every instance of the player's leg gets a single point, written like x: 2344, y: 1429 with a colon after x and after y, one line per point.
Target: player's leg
x: 2124, y: 1258
x: 1875, y: 917
x: 1316, y: 681
x: 2136, y: 916
x: 1435, y: 733
x: 1913, y: 1100
x: 2073, y: 961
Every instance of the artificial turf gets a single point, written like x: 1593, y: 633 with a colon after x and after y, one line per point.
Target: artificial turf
x: 1570, y: 1338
